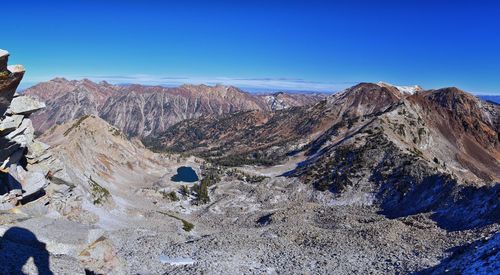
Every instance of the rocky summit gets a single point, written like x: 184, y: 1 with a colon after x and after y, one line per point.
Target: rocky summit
x: 377, y: 178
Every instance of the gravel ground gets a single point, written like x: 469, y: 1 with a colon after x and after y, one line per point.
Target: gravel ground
x: 277, y: 226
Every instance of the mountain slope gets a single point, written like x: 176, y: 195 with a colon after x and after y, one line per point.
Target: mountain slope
x: 250, y: 137
x: 435, y: 150
x: 98, y: 154
x: 432, y: 123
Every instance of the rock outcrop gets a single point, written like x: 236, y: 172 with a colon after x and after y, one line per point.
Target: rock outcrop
x: 23, y: 160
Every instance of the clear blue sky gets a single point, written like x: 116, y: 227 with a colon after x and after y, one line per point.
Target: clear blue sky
x: 317, y: 44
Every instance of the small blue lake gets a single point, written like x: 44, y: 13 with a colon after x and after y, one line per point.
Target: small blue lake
x: 185, y: 174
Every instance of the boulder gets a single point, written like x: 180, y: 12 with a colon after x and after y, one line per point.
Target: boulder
x: 24, y: 134
x: 36, y: 149
x: 24, y: 105
x: 32, y: 182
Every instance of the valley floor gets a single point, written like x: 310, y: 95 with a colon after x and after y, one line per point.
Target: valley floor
x: 278, y: 225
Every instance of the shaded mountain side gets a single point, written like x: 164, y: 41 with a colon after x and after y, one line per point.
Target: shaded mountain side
x: 479, y: 257
x: 373, y: 170
x: 144, y: 110
x: 420, y: 125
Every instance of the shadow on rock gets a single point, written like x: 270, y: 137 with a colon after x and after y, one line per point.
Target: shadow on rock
x: 453, y: 207
x: 17, y: 246
x: 479, y: 257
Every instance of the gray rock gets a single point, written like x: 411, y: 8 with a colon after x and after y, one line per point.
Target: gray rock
x: 60, y: 236
x: 24, y: 134
x: 36, y: 149
x: 24, y: 105
x: 33, y: 182
x: 10, y: 123
x: 41, y: 158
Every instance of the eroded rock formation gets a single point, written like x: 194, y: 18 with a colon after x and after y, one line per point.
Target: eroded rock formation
x: 24, y: 162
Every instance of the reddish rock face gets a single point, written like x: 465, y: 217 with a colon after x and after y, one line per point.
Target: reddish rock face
x: 144, y: 110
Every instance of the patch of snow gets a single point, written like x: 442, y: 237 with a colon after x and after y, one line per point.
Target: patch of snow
x: 409, y: 90
x: 164, y: 259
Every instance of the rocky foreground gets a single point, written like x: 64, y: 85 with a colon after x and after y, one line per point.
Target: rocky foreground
x: 84, y: 198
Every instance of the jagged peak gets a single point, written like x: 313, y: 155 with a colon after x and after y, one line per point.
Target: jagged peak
x: 59, y: 79
x: 218, y: 88
x: 366, y: 88
x: 73, y: 81
x: 86, y: 80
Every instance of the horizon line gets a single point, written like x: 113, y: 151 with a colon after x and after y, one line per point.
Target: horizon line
x: 266, y: 84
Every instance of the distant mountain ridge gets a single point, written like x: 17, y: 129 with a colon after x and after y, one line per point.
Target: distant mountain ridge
x: 140, y: 110
x: 491, y: 98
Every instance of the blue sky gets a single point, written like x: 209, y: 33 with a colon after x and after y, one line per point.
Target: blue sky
x: 302, y: 45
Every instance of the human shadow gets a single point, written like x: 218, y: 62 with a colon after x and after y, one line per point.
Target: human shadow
x: 17, y: 246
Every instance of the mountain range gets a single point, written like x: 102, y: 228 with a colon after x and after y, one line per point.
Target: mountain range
x: 144, y: 110
x: 428, y: 124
